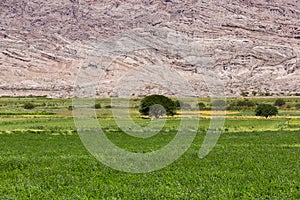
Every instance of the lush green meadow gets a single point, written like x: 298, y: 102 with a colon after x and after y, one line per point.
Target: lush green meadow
x: 42, y: 156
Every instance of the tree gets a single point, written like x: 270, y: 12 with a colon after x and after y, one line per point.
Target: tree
x: 201, y: 106
x: 29, y: 106
x: 279, y: 102
x: 157, y: 106
x: 266, y: 110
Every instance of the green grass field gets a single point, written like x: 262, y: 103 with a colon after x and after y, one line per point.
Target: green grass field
x: 42, y: 156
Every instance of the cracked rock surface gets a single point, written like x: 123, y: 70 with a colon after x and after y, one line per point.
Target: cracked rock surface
x: 252, y: 46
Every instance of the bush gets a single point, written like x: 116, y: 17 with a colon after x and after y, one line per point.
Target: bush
x: 181, y: 105
x: 219, y: 104
x: 245, y: 104
x: 157, y: 105
x: 266, y: 110
x: 297, y: 106
x: 201, y: 106
x: 186, y: 106
x: 279, y: 102
x: 71, y: 108
x: 29, y: 106
x: 97, y: 106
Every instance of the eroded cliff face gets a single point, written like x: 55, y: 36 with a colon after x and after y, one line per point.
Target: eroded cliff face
x: 251, y: 45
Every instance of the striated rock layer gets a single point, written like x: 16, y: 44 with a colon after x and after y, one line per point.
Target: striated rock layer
x: 253, y: 46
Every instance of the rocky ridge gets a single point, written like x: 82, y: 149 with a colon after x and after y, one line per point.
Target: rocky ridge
x: 253, y: 46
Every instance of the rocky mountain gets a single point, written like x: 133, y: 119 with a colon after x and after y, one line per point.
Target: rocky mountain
x: 251, y: 46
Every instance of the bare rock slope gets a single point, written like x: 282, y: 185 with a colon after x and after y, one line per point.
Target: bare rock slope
x: 252, y: 45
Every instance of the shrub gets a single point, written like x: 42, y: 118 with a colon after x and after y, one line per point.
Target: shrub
x: 245, y: 104
x: 71, y: 108
x: 186, y: 106
x: 297, y: 106
x: 201, y: 106
x: 29, y: 106
x: 266, y: 110
x: 97, y: 106
x: 157, y: 105
x: 219, y: 104
x: 279, y: 102
x: 181, y: 105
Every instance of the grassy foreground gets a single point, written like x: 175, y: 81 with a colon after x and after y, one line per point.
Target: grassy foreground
x: 42, y: 157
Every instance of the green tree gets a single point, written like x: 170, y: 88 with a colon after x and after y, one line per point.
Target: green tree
x: 157, y: 106
x: 201, y: 106
x: 266, y: 110
x: 29, y: 106
x: 279, y: 102
x: 97, y: 106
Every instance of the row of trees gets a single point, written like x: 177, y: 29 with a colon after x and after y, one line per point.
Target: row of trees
x: 30, y: 106
x: 159, y: 105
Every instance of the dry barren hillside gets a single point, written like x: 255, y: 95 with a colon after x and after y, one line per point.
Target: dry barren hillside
x: 253, y: 46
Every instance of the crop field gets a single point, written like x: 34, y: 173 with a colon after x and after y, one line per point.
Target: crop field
x: 42, y: 156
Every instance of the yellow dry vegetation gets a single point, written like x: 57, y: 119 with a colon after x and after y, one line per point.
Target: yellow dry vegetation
x: 251, y: 117
x: 208, y: 112
x: 218, y: 112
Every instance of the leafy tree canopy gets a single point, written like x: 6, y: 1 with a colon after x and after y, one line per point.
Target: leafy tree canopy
x: 157, y: 106
x: 201, y: 106
x: 266, y: 110
x: 29, y: 106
